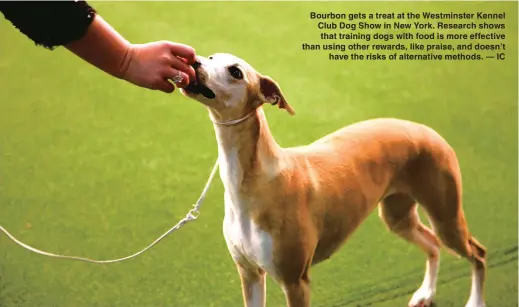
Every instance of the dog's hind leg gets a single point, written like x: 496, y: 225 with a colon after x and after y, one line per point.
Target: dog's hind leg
x: 399, y: 213
x: 441, y: 198
x: 452, y: 230
x: 435, y: 182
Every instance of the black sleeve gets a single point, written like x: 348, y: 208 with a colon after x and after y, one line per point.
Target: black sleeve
x: 49, y: 23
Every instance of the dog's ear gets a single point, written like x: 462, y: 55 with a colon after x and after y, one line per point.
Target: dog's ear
x: 270, y: 92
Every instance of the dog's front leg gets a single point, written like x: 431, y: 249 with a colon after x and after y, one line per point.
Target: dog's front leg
x: 253, y: 285
x: 297, y: 293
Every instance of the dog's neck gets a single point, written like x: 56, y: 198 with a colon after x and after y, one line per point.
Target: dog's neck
x: 245, y: 150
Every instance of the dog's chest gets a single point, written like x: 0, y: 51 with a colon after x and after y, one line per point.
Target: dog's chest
x: 246, y: 241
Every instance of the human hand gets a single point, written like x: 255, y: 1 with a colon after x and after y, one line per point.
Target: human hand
x: 151, y: 65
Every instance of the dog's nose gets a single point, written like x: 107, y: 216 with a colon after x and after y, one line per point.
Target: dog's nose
x: 196, y: 64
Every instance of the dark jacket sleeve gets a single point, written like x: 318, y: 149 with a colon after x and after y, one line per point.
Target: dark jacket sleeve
x: 49, y: 23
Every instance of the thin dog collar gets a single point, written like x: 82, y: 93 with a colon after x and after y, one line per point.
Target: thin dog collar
x: 234, y: 121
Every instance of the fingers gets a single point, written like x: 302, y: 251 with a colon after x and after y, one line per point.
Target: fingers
x: 173, y: 74
x: 165, y: 86
x: 183, y: 51
x: 153, y: 65
x: 178, y: 64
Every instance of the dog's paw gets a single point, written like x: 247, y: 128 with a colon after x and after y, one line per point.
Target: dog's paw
x: 423, y: 297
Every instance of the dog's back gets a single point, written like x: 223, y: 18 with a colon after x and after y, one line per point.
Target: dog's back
x: 382, y: 153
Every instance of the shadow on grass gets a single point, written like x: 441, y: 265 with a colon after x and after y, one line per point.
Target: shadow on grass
x: 10, y: 296
x: 382, y: 291
x: 404, y: 285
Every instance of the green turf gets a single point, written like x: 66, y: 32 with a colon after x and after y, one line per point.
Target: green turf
x: 92, y: 166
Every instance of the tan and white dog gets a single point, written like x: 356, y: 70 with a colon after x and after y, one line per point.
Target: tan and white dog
x: 287, y: 209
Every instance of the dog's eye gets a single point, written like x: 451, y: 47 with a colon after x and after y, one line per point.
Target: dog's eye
x: 210, y: 58
x: 235, y: 72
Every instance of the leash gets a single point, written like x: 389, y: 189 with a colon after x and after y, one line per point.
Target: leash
x: 190, y: 216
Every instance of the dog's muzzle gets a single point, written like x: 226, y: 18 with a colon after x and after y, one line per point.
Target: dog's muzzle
x: 196, y: 87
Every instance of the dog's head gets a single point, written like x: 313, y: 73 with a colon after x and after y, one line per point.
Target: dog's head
x: 231, y: 88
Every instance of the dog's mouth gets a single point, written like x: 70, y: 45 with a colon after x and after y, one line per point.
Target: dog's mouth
x: 196, y: 86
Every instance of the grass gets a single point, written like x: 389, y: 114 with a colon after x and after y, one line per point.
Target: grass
x: 92, y: 166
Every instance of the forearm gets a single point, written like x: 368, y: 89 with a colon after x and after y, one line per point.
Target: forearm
x: 76, y: 26
x: 103, y: 47
x: 49, y: 23
x: 72, y: 24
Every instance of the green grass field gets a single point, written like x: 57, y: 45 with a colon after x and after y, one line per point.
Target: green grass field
x: 92, y: 166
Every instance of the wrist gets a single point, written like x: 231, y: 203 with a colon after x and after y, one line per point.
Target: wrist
x: 103, y: 47
x: 129, y: 54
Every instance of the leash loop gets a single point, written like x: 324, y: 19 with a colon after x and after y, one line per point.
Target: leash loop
x: 193, y: 214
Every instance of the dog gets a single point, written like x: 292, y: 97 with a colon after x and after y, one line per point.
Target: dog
x: 287, y: 209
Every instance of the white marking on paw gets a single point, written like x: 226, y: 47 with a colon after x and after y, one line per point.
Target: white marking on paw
x: 423, y: 297
x: 476, y: 291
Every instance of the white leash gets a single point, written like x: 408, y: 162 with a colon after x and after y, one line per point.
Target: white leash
x: 190, y: 216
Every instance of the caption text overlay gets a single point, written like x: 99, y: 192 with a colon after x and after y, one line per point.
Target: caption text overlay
x: 408, y: 36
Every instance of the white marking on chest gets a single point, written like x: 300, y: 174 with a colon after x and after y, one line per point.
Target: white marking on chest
x: 231, y: 173
x: 245, y: 239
